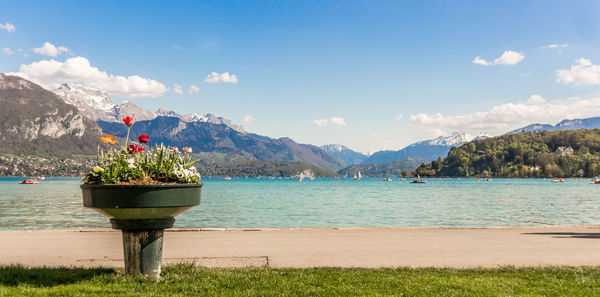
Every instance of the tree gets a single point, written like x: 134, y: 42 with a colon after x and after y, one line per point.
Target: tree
x: 405, y: 172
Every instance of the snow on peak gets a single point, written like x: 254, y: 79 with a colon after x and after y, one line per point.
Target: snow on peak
x: 330, y: 148
x: 457, y: 138
x: 78, y: 94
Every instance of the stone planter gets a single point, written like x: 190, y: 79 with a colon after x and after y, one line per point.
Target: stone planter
x: 142, y: 212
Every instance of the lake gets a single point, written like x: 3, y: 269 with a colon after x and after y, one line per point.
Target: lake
x: 56, y: 203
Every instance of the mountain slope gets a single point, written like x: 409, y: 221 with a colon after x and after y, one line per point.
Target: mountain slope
x: 349, y: 156
x: 588, y: 123
x: 36, y: 121
x: 208, y: 137
x: 428, y: 149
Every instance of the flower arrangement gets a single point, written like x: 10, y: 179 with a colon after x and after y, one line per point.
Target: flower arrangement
x: 142, y: 164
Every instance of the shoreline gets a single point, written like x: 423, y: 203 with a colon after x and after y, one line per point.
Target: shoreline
x: 200, y: 229
x: 457, y: 247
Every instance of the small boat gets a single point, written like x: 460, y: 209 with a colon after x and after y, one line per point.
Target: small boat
x: 30, y: 181
x: 386, y: 179
x: 402, y: 179
x: 357, y: 177
x: 227, y: 178
x: 418, y: 180
x: 557, y: 180
x: 41, y: 178
x: 300, y: 178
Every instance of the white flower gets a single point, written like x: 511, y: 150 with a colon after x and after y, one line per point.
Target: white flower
x: 130, y: 163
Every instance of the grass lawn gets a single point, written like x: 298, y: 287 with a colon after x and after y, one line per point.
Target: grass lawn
x: 188, y: 280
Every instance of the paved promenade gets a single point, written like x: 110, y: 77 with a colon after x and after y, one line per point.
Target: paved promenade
x: 361, y: 247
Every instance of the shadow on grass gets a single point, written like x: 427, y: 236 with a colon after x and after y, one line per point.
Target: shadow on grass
x: 567, y: 234
x: 48, y: 277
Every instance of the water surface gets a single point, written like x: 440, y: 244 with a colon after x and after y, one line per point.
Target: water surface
x: 56, y: 203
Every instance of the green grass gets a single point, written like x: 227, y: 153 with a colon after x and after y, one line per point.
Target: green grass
x: 188, y: 280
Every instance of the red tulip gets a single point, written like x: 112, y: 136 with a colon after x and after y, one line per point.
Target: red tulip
x: 140, y: 149
x: 128, y: 121
x: 133, y: 148
x: 187, y: 150
x: 143, y: 138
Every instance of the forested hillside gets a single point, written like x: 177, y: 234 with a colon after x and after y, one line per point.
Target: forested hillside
x: 566, y: 153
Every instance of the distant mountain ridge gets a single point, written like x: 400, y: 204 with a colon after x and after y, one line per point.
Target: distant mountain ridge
x: 428, y: 149
x: 98, y: 106
x: 587, y: 123
x: 349, y: 156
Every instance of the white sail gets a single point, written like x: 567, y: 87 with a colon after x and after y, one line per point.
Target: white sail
x: 359, y: 176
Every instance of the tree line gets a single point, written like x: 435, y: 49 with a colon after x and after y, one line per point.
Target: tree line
x: 566, y: 153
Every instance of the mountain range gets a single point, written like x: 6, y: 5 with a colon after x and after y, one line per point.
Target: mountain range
x: 428, y: 149
x: 588, y: 123
x: 202, y: 132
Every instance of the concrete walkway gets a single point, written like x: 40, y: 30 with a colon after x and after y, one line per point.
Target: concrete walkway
x: 361, y: 247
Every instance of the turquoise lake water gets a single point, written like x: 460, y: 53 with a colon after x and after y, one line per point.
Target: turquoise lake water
x: 56, y: 203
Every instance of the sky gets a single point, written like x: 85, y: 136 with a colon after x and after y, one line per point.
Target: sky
x: 370, y: 75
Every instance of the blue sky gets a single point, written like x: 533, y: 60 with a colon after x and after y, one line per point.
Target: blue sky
x: 388, y: 73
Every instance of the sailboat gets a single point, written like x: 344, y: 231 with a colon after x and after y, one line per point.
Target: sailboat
x: 418, y: 180
x: 357, y: 177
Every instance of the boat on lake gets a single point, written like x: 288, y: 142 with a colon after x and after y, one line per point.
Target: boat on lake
x: 30, y: 181
x: 357, y: 177
x: 418, y: 180
x: 386, y: 179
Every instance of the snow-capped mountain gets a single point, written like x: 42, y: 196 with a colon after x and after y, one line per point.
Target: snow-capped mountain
x: 454, y: 139
x: 98, y: 106
x: 347, y: 155
x: 198, y: 117
x: 428, y: 149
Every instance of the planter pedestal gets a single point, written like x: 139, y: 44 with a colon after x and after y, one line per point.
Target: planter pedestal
x: 143, y: 245
x: 142, y: 213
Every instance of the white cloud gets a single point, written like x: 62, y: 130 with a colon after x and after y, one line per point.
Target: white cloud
x: 504, y: 117
x: 7, y: 51
x: 249, y: 119
x: 582, y: 73
x: 556, y: 45
x: 536, y: 99
x: 178, y: 89
x: 193, y: 89
x: 48, y: 49
x: 225, y: 77
x: 51, y: 74
x: 333, y: 121
x: 8, y: 27
x: 507, y: 58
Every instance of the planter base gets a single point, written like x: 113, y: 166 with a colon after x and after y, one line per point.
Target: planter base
x: 143, y: 244
x: 142, y: 251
